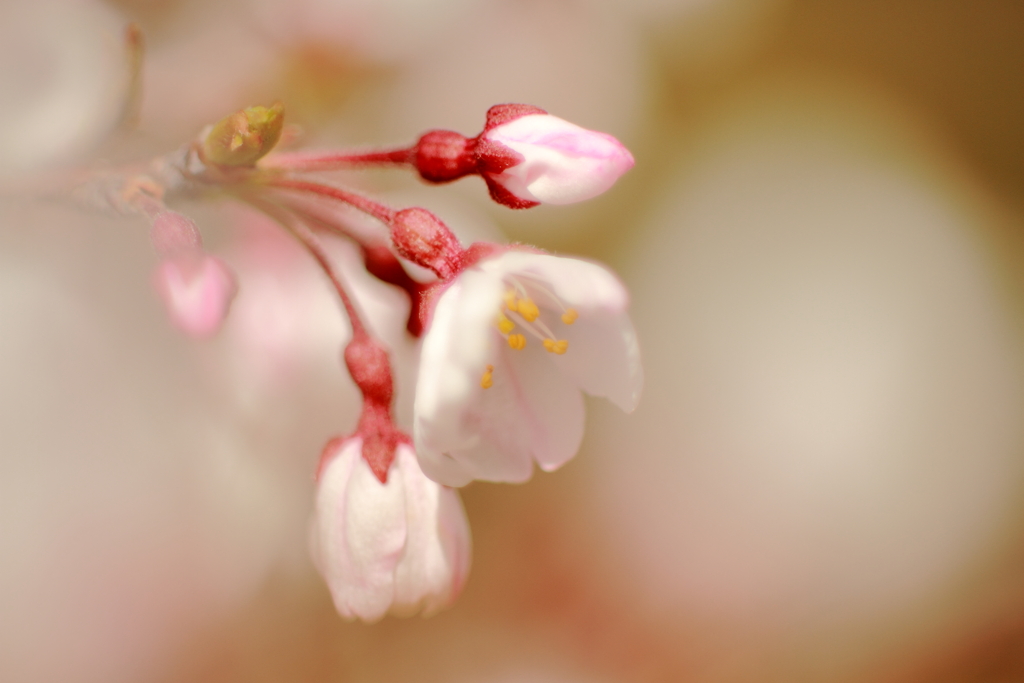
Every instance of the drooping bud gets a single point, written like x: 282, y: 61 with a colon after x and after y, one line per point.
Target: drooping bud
x: 397, y: 547
x: 244, y: 137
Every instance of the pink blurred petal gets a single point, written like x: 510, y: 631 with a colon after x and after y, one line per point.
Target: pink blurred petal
x: 197, y: 290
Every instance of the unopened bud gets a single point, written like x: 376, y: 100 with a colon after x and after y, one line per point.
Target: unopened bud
x: 421, y: 237
x: 529, y: 158
x: 246, y: 136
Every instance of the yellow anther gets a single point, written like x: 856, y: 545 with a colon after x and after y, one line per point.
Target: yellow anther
x: 528, y: 309
x: 517, y: 341
x: 570, y: 315
x: 559, y: 347
x: 510, y: 299
x: 487, y: 381
x: 504, y: 324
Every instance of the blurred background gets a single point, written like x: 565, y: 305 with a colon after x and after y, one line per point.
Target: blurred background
x: 824, y: 240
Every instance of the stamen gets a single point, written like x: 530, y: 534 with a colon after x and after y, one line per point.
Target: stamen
x: 504, y: 324
x: 487, y: 381
x: 529, y: 327
x: 528, y: 309
x: 559, y: 347
x: 570, y: 315
x: 510, y: 299
x: 536, y: 285
x: 517, y: 341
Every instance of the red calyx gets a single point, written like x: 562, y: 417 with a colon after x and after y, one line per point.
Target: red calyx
x: 421, y: 237
x: 442, y: 156
x: 370, y: 367
x: 503, y: 113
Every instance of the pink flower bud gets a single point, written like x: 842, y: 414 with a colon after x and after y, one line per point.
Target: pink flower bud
x: 197, y: 290
x: 552, y: 161
x: 399, y: 547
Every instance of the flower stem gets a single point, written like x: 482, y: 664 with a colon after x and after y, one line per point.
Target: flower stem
x: 379, y: 259
x: 368, y: 206
x: 312, y: 244
x: 332, y: 161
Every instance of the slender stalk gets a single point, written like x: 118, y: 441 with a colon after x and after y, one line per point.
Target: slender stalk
x: 367, y: 206
x: 312, y: 244
x: 332, y: 161
x: 378, y: 257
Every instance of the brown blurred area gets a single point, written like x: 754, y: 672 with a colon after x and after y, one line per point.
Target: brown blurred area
x: 551, y: 597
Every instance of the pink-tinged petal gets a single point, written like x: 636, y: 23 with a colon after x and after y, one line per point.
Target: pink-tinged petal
x: 435, y: 563
x: 562, y: 162
x: 528, y: 414
x: 359, y: 534
x: 197, y: 290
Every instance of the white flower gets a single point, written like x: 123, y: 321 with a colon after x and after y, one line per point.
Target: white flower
x: 561, y: 162
x: 399, y: 548
x: 512, y: 342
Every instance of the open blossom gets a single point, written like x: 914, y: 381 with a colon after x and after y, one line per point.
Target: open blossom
x: 399, y: 548
x: 512, y: 342
x: 561, y: 163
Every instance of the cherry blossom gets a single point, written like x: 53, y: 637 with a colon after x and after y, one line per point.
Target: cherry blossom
x: 399, y: 548
x: 511, y: 336
x: 513, y: 341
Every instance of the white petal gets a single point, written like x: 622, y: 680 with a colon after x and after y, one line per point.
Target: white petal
x: 580, y: 284
x: 603, y: 357
x: 456, y: 350
x: 435, y: 563
x: 529, y: 414
x: 550, y: 408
